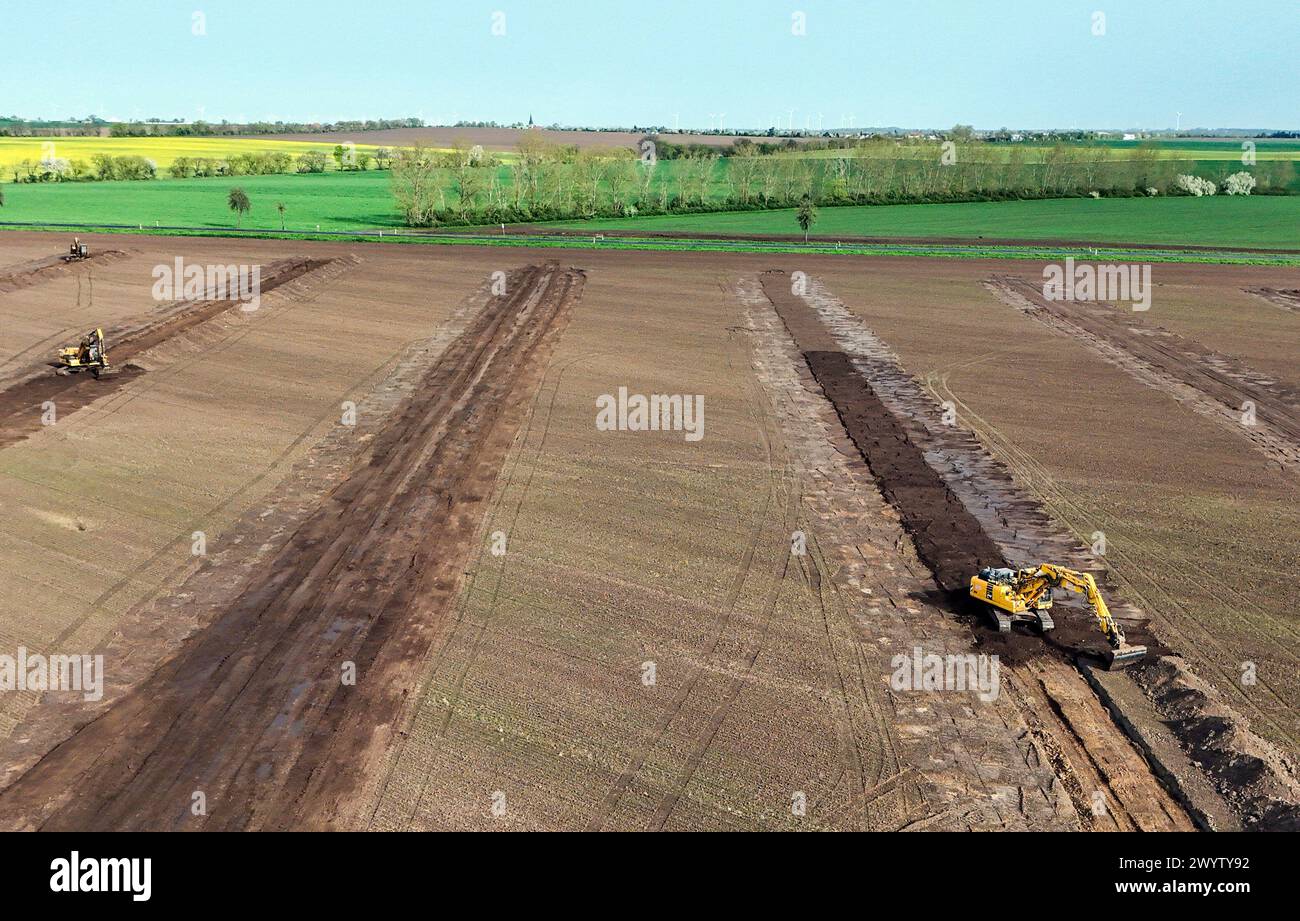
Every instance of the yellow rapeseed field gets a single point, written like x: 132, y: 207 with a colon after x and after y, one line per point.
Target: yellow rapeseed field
x: 162, y: 150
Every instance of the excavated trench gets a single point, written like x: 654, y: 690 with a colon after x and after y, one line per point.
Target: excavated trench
x: 254, y: 711
x: 960, y: 508
x: 23, y: 403
x: 963, y: 510
x: 948, y: 538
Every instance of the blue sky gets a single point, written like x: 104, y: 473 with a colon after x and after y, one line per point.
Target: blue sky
x: 912, y: 63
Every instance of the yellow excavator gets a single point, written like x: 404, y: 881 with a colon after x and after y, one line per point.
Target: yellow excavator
x: 77, y: 251
x: 1026, y: 595
x: 91, y: 355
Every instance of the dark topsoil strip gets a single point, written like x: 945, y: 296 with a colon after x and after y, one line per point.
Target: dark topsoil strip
x: 22, y: 403
x: 948, y: 538
x: 951, y: 542
x: 252, y: 709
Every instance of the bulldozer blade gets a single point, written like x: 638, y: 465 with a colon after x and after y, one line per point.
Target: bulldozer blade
x: 1124, y: 656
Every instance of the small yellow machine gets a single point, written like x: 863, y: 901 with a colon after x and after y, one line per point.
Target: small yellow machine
x: 77, y: 251
x: 1026, y: 595
x: 90, y: 355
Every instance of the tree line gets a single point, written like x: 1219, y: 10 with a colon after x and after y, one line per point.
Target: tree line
x: 103, y: 167
x: 93, y: 126
x: 559, y: 182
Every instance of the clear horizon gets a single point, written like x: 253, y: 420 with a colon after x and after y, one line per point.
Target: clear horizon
x: 1055, y: 64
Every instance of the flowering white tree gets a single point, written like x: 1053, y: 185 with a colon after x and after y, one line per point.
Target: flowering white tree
x: 1242, y: 183
x: 1194, y: 185
x: 53, y: 169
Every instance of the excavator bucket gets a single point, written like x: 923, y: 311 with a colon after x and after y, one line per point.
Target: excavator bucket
x: 1123, y: 657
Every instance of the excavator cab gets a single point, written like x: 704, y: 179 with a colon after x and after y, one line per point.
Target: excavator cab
x: 90, y: 355
x: 996, y: 587
x: 77, y: 251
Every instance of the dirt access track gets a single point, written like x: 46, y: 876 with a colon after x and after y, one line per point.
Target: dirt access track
x: 395, y: 467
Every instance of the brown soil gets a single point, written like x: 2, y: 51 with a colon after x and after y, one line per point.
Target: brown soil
x: 1250, y: 773
x: 1216, y: 385
x: 1286, y: 298
x: 542, y: 230
x: 1069, y: 724
x: 1266, y: 800
x: 505, y: 139
x: 962, y: 509
x: 624, y: 548
x: 255, y: 713
x: 947, y: 537
x: 21, y: 403
x: 36, y: 271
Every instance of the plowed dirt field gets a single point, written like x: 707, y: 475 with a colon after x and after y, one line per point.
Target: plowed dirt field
x: 363, y: 557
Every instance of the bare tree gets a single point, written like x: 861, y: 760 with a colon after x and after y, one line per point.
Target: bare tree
x: 415, y: 187
x: 621, y: 178
x: 744, y: 172
x: 468, y: 181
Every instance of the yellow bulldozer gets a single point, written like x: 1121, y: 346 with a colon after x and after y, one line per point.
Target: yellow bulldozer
x: 1025, y: 595
x: 90, y: 355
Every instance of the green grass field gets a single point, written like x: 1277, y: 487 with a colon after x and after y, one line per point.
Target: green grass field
x: 1263, y: 221
x: 1214, y: 148
x: 335, y: 201
x: 350, y: 201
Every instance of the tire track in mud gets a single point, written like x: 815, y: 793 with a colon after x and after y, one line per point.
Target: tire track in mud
x: 1191, y: 632
x: 1213, y: 385
x: 882, y: 794
x: 438, y: 657
x: 952, y: 542
x: 22, y: 402
x: 252, y: 711
x: 1247, y: 771
x: 781, y: 479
